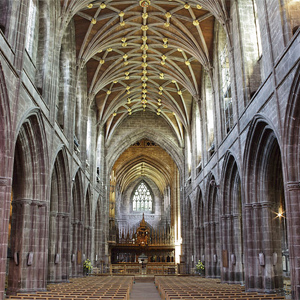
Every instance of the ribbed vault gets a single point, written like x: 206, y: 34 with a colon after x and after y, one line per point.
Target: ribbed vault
x: 144, y: 161
x: 144, y: 55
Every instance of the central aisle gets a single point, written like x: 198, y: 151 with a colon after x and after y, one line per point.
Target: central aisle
x: 144, y: 288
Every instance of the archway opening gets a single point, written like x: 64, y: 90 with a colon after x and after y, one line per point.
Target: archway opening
x: 27, y: 240
x: 144, y: 185
x: 266, y: 243
x: 232, y: 224
x: 58, y: 245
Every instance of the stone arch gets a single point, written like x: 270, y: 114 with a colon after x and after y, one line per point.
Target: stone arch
x: 77, y: 225
x: 5, y: 123
x: 264, y: 199
x: 59, y: 220
x: 212, y: 231
x: 129, y: 140
x: 6, y: 160
x: 231, y: 221
x: 292, y: 131
x: 292, y: 174
x: 29, y: 207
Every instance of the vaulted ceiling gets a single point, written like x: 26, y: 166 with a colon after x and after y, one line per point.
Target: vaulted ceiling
x: 147, y: 56
x: 144, y: 55
x: 144, y: 159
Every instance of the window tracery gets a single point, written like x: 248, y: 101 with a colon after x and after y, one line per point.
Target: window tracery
x: 142, y: 199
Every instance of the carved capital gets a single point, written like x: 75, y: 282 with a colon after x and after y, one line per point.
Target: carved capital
x: 5, y: 181
x: 256, y: 205
x: 293, y: 185
x: 63, y: 215
x: 39, y: 203
x: 21, y: 202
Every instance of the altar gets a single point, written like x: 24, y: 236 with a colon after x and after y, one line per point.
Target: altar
x: 157, y: 248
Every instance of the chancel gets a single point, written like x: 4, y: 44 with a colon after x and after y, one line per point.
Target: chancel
x: 148, y: 141
x: 155, y: 249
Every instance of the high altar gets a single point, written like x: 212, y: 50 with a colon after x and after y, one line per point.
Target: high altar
x: 146, y: 251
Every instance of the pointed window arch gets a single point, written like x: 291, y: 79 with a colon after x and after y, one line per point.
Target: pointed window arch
x: 142, y: 198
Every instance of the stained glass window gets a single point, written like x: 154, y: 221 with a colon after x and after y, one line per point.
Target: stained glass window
x: 142, y: 199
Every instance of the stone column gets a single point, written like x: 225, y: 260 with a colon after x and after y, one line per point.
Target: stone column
x: 52, y: 245
x: 256, y: 247
x: 293, y: 221
x: 237, y: 250
x: 74, y: 248
x: 208, y: 238
x: 65, y: 247
x: 29, y: 242
x: 5, y: 196
x: 61, y: 255
x: 226, y: 246
x: 250, y: 261
x: 197, y: 255
x: 267, y: 248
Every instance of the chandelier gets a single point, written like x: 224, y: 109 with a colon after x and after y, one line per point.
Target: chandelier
x: 144, y: 3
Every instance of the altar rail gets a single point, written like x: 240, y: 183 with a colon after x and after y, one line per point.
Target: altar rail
x: 150, y: 268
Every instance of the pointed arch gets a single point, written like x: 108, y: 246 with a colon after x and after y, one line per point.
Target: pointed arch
x: 29, y: 205
x: 59, y: 220
x: 151, y: 135
x: 6, y: 159
x: 212, y: 231
x: 265, y: 232
x: 291, y: 162
x: 231, y: 221
x: 292, y: 131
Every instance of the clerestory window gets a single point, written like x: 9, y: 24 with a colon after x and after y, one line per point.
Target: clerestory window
x: 142, y: 198
x: 226, y: 89
x: 32, y: 16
